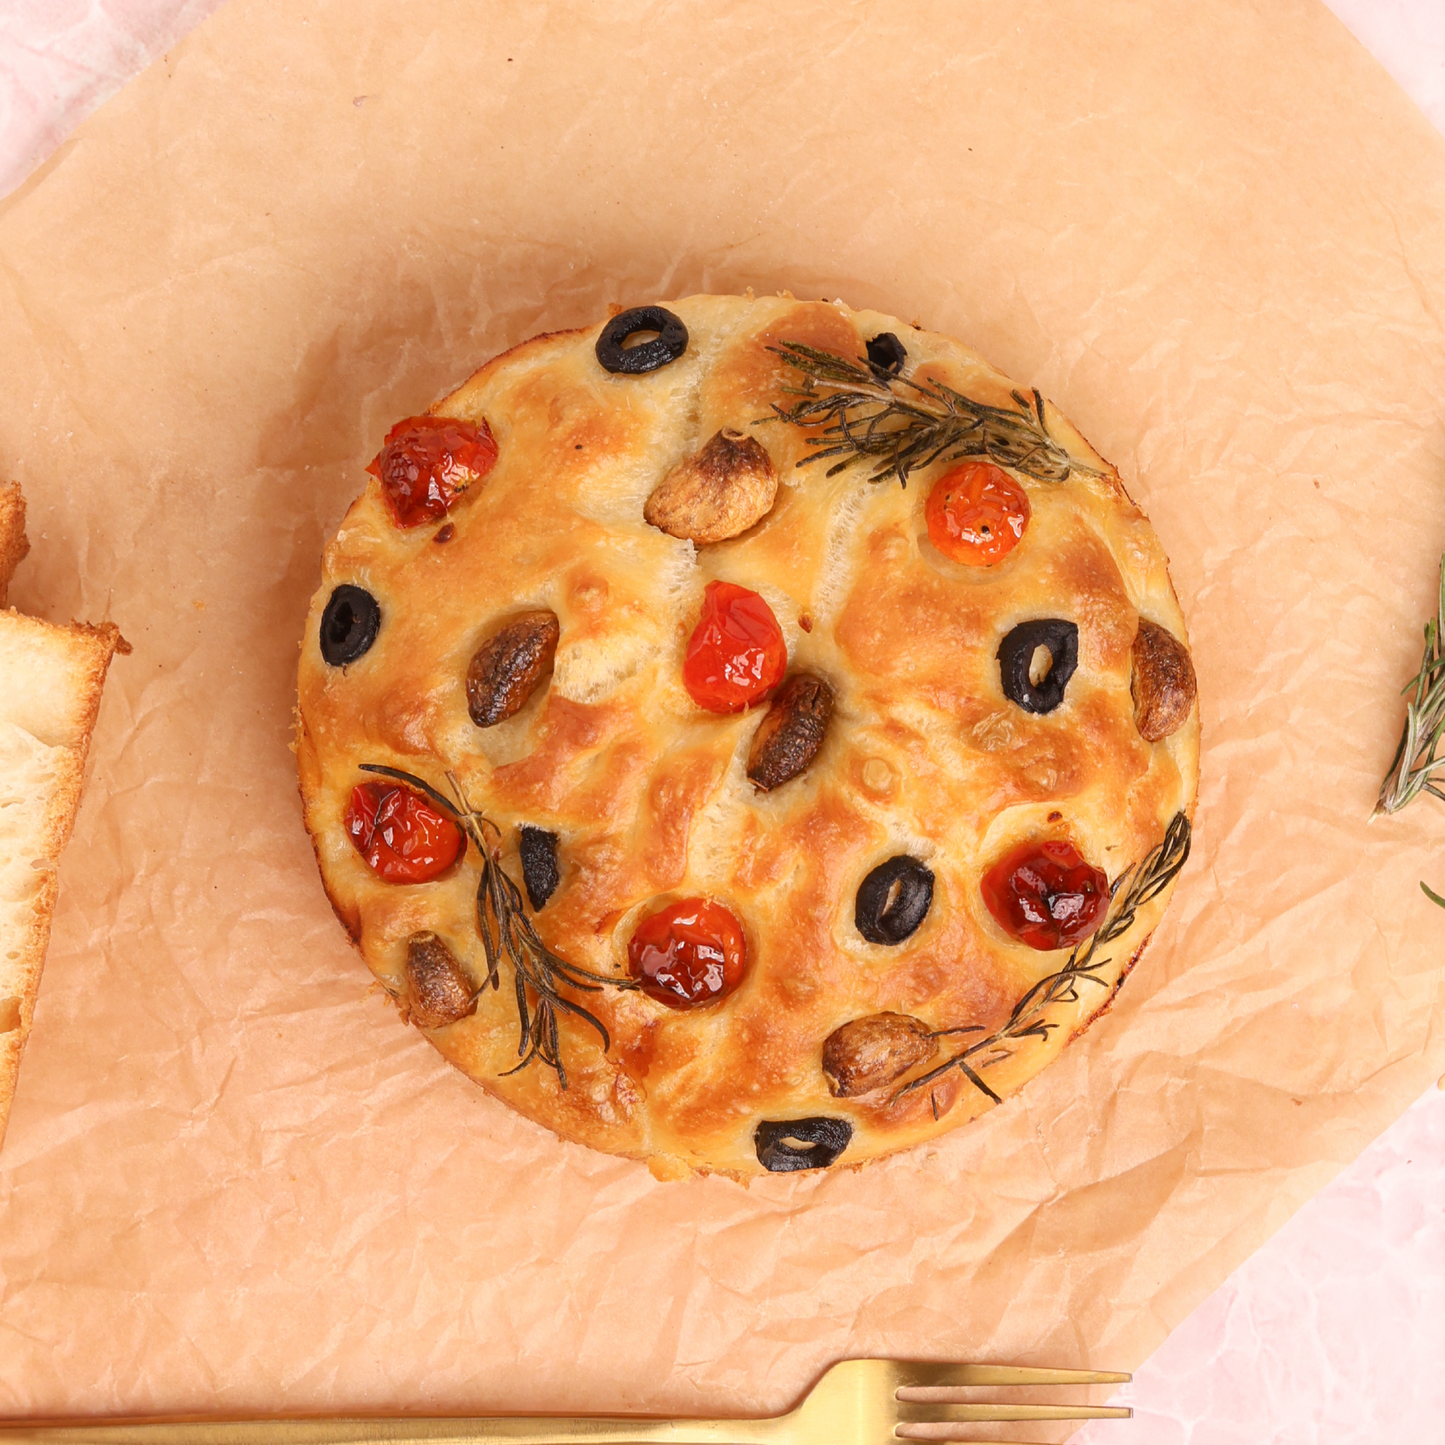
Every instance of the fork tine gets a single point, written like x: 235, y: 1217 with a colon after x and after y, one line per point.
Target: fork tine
x: 933, y: 1413
x: 922, y: 1374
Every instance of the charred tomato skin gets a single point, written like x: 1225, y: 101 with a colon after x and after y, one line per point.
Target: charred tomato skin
x: 736, y: 654
x: 1045, y: 894
x: 402, y: 836
x: 688, y: 954
x: 977, y: 514
x: 427, y: 462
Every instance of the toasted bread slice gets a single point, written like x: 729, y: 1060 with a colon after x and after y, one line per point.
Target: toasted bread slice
x: 13, y: 542
x: 50, y: 682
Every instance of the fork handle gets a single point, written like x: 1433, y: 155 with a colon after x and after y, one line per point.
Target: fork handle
x: 434, y: 1430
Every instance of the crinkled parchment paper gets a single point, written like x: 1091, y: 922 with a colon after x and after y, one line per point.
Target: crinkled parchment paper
x: 1211, y: 231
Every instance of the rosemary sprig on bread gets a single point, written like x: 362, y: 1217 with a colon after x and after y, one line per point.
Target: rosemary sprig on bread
x: 506, y: 931
x: 865, y: 412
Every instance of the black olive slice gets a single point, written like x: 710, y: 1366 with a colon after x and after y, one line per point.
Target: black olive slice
x: 893, y: 900
x: 669, y: 343
x: 785, y: 1145
x: 1016, y: 656
x: 539, y: 864
x: 349, y: 625
x: 886, y: 353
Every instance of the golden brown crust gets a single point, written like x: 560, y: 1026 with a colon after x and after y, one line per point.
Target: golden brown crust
x: 649, y: 796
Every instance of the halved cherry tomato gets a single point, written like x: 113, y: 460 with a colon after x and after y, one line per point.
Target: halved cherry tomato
x: 688, y: 954
x: 976, y: 514
x: 736, y: 653
x: 1046, y: 895
x: 427, y: 462
x: 398, y: 832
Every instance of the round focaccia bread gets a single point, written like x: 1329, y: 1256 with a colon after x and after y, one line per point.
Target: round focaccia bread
x: 918, y: 856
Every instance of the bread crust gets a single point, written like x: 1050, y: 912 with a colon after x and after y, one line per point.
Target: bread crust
x: 53, y: 679
x: 14, y: 545
x: 648, y: 794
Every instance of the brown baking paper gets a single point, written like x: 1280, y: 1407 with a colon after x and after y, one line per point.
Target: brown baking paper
x: 1211, y: 231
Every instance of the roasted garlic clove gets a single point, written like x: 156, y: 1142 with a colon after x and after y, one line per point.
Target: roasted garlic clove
x: 715, y: 493
x: 1163, y: 686
x: 870, y: 1052
x: 507, y: 667
x: 788, y: 738
x: 438, y: 989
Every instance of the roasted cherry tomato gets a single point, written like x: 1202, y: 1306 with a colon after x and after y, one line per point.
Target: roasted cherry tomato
x: 1046, y: 895
x: 427, y: 462
x: 402, y: 835
x: 736, y: 654
x: 690, y: 953
x: 976, y: 514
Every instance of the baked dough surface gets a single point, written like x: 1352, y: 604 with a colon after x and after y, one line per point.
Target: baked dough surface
x: 647, y: 793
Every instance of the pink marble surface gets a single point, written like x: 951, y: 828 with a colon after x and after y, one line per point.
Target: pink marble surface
x: 1333, y: 1332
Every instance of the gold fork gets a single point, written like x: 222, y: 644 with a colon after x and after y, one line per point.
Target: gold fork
x: 856, y: 1403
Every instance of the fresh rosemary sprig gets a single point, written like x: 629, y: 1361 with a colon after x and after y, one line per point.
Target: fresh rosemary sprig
x: 506, y: 931
x: 1134, y: 888
x: 1418, y: 767
x: 868, y: 414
